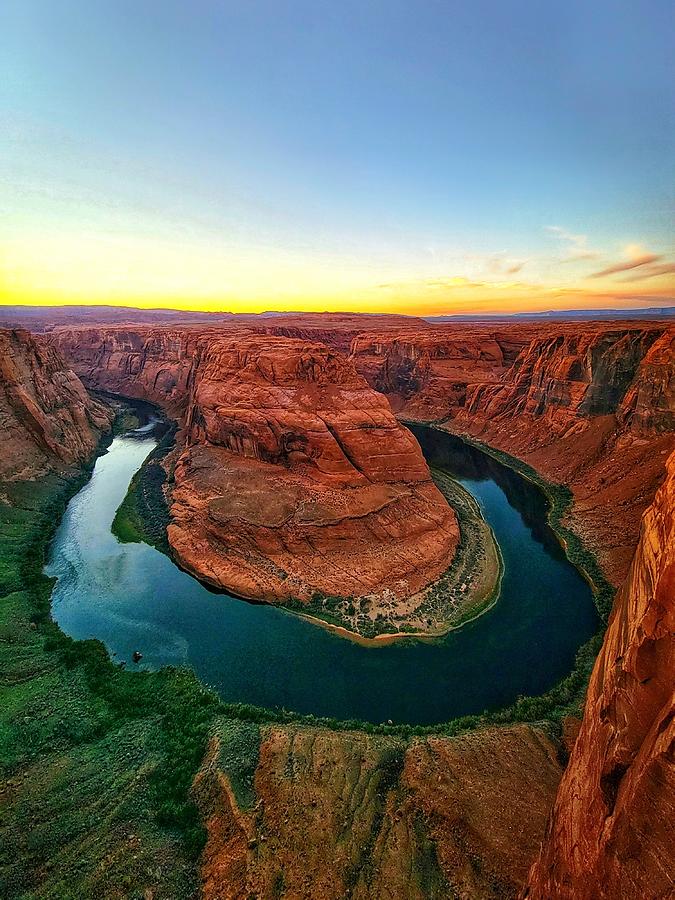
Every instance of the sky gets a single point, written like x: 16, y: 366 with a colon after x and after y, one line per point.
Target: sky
x: 425, y: 157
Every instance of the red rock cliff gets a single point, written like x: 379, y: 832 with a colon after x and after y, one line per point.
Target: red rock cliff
x: 295, y: 476
x: 46, y: 416
x: 591, y: 406
x: 612, y: 830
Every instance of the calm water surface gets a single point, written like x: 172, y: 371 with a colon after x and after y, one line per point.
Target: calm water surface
x: 132, y: 597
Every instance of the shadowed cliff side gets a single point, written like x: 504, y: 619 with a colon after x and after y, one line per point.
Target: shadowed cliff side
x: 47, y: 419
x: 612, y: 830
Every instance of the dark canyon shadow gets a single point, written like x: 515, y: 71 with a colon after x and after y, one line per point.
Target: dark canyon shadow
x: 447, y: 451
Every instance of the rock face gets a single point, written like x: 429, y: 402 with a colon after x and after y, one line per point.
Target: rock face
x: 297, y: 478
x: 328, y: 814
x: 591, y: 406
x: 156, y: 364
x: 47, y: 419
x: 612, y: 830
x: 294, y: 475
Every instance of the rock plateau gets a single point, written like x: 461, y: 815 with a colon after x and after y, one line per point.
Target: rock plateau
x: 293, y: 476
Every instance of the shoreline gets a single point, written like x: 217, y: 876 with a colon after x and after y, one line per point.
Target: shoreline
x: 478, y: 603
x: 572, y: 545
x: 563, y: 698
x: 393, y: 637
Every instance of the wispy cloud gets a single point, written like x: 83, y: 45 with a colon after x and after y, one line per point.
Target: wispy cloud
x: 576, y: 244
x: 636, y: 256
x: 500, y: 265
x: 652, y: 272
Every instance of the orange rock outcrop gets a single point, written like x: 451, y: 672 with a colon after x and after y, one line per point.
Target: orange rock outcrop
x: 297, y: 478
x: 294, y: 476
x: 591, y: 406
x: 612, y: 830
x: 47, y: 419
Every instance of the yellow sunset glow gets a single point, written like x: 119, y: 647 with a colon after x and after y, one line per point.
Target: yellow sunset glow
x: 146, y: 272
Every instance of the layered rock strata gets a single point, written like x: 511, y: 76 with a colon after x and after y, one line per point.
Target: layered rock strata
x: 612, y: 830
x: 456, y: 817
x: 47, y: 419
x: 297, y: 478
x: 294, y: 477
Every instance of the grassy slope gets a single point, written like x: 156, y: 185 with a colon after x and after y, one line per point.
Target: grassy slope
x: 95, y: 762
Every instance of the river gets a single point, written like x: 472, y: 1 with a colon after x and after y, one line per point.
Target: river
x: 132, y: 597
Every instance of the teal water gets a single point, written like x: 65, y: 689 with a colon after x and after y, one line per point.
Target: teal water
x: 132, y: 597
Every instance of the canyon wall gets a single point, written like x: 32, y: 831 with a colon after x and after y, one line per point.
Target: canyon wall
x: 612, y: 830
x: 294, y: 477
x: 47, y: 419
x: 324, y: 815
x: 592, y: 407
x: 156, y: 364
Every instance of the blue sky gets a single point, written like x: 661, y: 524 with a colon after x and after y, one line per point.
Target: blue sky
x: 375, y: 155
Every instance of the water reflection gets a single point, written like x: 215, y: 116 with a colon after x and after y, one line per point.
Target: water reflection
x: 446, y: 451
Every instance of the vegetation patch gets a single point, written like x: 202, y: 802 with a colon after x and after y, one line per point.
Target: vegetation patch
x: 143, y: 515
x: 239, y: 743
x: 97, y: 762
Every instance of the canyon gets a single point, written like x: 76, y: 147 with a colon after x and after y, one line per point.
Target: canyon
x: 291, y: 479
x: 302, y: 408
x: 589, y: 406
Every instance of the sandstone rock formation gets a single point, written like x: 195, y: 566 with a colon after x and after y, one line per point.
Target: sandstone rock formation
x: 156, y: 364
x: 47, y: 418
x: 294, y: 476
x: 612, y: 830
x: 592, y: 407
x: 297, y: 478
x: 328, y: 815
